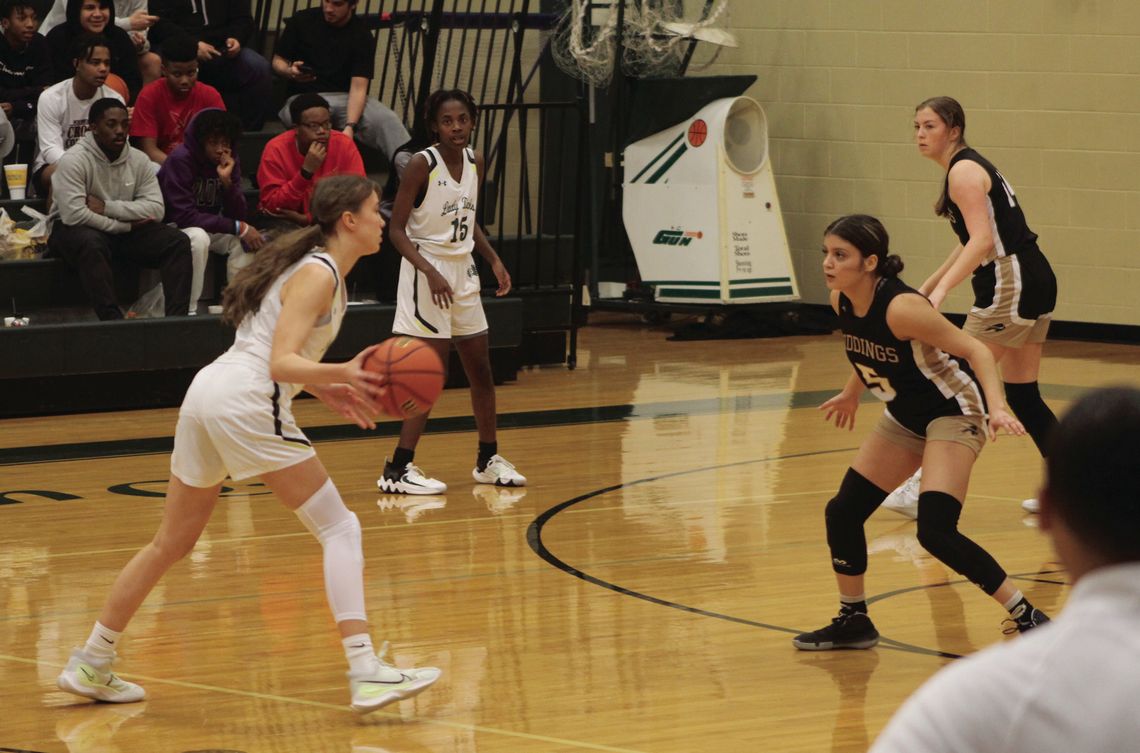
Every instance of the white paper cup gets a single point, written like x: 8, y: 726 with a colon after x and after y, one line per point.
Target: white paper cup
x: 17, y: 177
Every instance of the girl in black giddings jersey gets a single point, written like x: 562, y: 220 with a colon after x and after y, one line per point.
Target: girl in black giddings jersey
x: 1014, y: 286
x: 910, y: 357
x: 237, y: 421
x: 434, y: 228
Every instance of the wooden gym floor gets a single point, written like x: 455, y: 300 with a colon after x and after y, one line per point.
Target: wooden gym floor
x: 638, y: 596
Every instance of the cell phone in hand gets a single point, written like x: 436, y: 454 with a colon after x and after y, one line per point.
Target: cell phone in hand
x: 306, y: 70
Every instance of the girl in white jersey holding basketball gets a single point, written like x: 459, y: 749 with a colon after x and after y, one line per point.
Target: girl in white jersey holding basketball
x: 434, y: 228
x: 236, y: 421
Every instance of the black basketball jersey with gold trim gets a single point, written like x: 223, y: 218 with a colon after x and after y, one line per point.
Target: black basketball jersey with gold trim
x: 1032, y: 282
x: 1010, y: 231
x: 918, y: 382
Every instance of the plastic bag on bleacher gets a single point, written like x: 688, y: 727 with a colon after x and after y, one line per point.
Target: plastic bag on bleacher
x: 23, y: 243
x: 41, y: 226
x: 152, y: 302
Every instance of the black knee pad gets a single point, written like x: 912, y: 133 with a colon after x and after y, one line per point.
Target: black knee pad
x: 938, y: 514
x: 1026, y: 403
x: 844, y: 516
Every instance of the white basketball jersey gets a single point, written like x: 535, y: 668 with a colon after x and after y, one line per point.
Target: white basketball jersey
x: 444, y: 222
x: 254, y: 340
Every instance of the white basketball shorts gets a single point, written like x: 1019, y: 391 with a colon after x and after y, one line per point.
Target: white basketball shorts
x: 234, y: 422
x: 418, y: 316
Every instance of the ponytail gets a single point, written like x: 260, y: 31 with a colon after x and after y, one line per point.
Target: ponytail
x: 891, y: 266
x: 332, y: 197
x: 244, y: 294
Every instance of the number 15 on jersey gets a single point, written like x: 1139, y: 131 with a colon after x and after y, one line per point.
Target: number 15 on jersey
x: 459, y: 229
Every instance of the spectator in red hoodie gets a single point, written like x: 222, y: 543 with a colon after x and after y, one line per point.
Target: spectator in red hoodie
x: 225, y: 32
x: 294, y: 161
x: 165, y: 107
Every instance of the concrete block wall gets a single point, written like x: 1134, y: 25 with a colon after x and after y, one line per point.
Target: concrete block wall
x: 1051, y: 90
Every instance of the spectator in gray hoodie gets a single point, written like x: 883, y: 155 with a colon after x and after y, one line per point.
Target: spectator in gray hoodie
x: 110, y: 205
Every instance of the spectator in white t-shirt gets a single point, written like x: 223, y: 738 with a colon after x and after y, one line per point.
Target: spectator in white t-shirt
x: 62, y: 110
x: 1070, y: 685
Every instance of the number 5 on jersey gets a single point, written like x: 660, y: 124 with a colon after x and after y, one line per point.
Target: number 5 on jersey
x: 880, y: 385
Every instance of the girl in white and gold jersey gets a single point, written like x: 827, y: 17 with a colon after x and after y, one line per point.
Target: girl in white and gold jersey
x: 237, y: 421
x: 434, y: 228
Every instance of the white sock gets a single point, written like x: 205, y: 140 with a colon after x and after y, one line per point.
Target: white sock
x: 338, y: 530
x: 1013, y: 601
x: 102, y: 641
x: 359, y: 652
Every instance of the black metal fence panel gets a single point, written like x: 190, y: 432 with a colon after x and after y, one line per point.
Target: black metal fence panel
x: 529, y: 207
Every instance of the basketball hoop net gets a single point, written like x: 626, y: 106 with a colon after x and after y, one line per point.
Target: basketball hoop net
x: 655, y: 39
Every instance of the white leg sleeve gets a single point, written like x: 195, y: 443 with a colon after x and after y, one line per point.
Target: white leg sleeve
x: 338, y: 530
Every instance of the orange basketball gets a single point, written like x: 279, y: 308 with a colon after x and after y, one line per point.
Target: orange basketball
x: 119, y: 85
x: 415, y: 375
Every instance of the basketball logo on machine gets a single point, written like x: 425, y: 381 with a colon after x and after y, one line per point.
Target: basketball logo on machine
x: 698, y: 132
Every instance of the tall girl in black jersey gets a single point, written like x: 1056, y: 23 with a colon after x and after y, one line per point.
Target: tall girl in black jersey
x: 915, y: 360
x: 1014, y: 286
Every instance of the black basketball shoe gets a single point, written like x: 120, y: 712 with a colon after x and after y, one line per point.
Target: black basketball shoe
x: 848, y: 630
x: 1023, y: 618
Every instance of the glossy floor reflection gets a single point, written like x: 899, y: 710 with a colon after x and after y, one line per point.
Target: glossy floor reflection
x: 638, y: 596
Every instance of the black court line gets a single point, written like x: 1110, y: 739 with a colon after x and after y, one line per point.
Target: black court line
x: 521, y: 420
x: 534, y: 540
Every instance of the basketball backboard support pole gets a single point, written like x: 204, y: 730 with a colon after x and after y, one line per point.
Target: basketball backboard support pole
x: 668, y: 100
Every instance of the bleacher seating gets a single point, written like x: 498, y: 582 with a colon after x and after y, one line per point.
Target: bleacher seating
x: 66, y: 361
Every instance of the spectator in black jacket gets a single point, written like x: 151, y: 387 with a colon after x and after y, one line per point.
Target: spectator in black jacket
x: 25, y: 65
x: 94, y: 17
x: 330, y: 51
x: 222, y: 29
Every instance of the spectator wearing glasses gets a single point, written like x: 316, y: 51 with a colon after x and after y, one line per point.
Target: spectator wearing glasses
x: 296, y: 160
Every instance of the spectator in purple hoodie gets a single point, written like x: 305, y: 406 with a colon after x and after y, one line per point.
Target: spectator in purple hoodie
x: 201, y: 186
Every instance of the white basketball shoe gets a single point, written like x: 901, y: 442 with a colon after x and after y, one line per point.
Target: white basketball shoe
x: 500, y: 472
x: 408, y: 480
x: 91, y: 678
x: 904, y: 500
x: 385, y: 683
